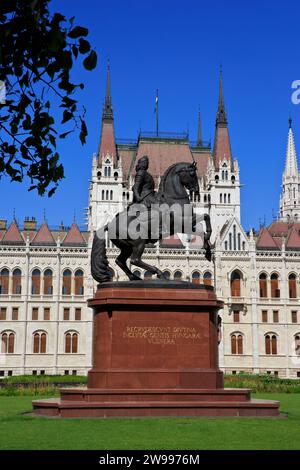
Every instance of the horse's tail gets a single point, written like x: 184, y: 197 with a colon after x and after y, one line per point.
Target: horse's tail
x: 99, y: 262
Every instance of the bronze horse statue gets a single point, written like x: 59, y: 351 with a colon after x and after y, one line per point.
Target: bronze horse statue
x: 168, y: 212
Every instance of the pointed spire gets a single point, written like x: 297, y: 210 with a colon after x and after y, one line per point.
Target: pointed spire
x: 291, y: 166
x: 199, y: 135
x: 221, y: 114
x: 107, y: 144
x: 107, y: 108
x: 222, y: 148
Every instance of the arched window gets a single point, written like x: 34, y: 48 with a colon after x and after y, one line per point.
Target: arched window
x: 107, y: 194
x: 102, y: 194
x: 48, y: 282
x: 263, y: 285
x: 17, y: 282
x: 79, y: 289
x: 39, y: 342
x: 230, y: 242
x: 105, y: 172
x: 235, y: 284
x: 233, y: 179
x: 239, y: 241
x: 226, y: 246
x: 4, y: 281
x: 244, y: 246
x: 225, y: 198
x: 297, y: 344
x: 137, y: 273
x: 67, y: 282
x: 8, y: 342
x: 271, y: 344
x: 111, y: 195
x: 292, y: 286
x: 36, y: 282
x: 177, y: 275
x: 229, y: 199
x: 196, y: 277
x: 275, y: 292
x: 99, y: 175
x: 223, y: 175
x: 234, y: 237
x: 167, y: 274
x: 148, y: 275
x: 207, y: 278
x: 221, y: 200
x: 226, y: 175
x: 71, y: 342
x: 109, y: 172
x: 116, y: 175
x: 236, y: 343
x: 217, y: 179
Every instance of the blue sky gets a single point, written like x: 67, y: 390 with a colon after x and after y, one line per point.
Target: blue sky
x: 178, y: 46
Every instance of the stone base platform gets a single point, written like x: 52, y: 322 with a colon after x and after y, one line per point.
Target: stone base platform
x: 155, y: 353
x: 102, y: 403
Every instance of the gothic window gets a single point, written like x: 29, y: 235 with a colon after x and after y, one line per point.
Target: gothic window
x: 229, y: 199
x: 167, y: 274
x: 239, y: 242
x: 233, y: 179
x: 217, y: 179
x: 39, y: 342
x: 111, y: 195
x: 244, y: 246
x: 230, y: 242
x: 99, y: 175
x: 4, y: 281
x: 234, y: 237
x: 107, y: 194
x: 67, y: 282
x: 116, y: 175
x: 105, y: 172
x: 225, y: 198
x: 292, y: 286
x: 271, y: 344
x: 8, y: 342
x: 71, y: 342
x: 102, y: 194
x: 275, y: 292
x: 48, y: 282
x: 79, y: 290
x: 196, y: 277
x: 235, y: 284
x: 36, y: 282
x: 236, y: 343
x: 226, y: 175
x: 223, y: 175
x: 221, y: 198
x: 297, y: 344
x: 263, y: 286
x: 294, y: 193
x: 207, y: 278
x: 16, y: 278
x: 177, y: 275
x: 226, y: 246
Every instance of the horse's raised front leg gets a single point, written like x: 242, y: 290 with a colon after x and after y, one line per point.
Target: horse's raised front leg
x: 136, y: 260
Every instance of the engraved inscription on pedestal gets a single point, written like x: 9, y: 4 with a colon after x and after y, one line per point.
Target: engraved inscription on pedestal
x: 162, y: 334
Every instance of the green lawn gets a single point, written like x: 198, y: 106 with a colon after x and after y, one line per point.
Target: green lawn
x: 26, y: 432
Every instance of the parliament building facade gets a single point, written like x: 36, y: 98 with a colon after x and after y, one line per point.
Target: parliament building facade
x: 45, y: 281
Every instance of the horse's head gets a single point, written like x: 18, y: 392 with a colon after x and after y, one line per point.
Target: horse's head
x: 188, y: 177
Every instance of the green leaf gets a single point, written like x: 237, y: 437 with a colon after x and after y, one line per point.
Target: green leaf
x: 90, y: 61
x: 66, y: 116
x: 78, y: 32
x: 84, y: 46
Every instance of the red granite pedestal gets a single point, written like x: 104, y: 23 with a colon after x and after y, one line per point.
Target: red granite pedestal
x: 155, y: 353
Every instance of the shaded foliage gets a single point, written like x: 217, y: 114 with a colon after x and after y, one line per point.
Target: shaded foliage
x: 37, y: 54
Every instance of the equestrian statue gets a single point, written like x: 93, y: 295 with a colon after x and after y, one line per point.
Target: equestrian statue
x: 151, y: 217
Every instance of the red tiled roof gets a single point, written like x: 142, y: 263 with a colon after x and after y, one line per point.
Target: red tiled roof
x: 265, y: 240
x: 43, y: 236
x: 108, y: 143
x: 222, y: 147
x: 171, y: 242
x: 281, y: 227
x: 293, y: 239
x: 127, y: 156
x: 74, y: 236
x: 13, y: 234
